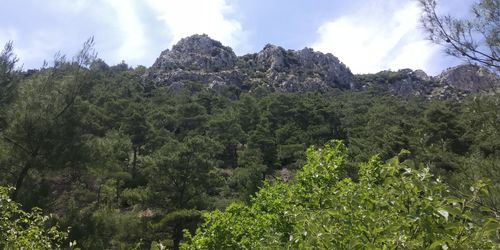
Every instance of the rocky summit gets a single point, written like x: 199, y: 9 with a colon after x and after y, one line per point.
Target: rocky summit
x: 200, y: 59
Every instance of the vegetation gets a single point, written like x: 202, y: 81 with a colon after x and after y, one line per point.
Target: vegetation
x: 390, y: 206
x: 127, y: 166
x: 475, y: 39
x: 26, y: 230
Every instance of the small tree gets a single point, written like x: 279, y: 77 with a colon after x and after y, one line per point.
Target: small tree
x: 476, y: 39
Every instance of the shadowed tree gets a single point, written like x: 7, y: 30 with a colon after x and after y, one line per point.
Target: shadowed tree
x: 43, y: 121
x: 7, y: 73
x: 180, y: 179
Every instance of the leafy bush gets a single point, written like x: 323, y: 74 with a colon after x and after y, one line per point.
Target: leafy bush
x: 26, y: 230
x: 390, y: 206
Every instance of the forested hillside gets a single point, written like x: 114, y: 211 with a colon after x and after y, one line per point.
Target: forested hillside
x: 121, y: 160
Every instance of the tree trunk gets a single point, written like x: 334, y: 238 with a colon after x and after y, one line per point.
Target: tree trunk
x: 134, y: 162
x: 233, y: 155
x: 20, y: 180
x: 177, y: 235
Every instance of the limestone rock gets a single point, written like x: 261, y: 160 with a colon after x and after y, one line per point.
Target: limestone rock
x: 298, y: 71
x: 404, y: 82
x: 197, y: 52
x: 470, y: 78
x: 453, y: 83
x: 199, y: 58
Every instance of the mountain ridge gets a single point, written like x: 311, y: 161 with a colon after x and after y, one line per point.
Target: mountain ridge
x: 199, y: 58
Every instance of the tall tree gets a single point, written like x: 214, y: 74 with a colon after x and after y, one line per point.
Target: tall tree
x: 42, y: 127
x: 180, y: 180
x: 7, y: 72
x: 7, y: 79
x: 224, y: 128
x: 137, y: 127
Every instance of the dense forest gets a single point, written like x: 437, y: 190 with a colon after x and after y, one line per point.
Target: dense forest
x: 118, y: 164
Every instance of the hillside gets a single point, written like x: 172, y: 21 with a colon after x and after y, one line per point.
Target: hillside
x: 209, y: 150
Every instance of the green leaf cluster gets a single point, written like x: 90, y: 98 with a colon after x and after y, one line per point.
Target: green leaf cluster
x: 26, y: 230
x: 391, y: 206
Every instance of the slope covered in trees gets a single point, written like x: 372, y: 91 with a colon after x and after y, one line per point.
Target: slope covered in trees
x: 126, y: 165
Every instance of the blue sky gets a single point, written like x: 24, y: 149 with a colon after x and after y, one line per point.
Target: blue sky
x: 367, y: 35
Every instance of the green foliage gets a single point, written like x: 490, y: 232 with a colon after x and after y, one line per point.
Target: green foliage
x: 224, y: 128
x: 43, y: 122
x: 249, y: 174
x: 179, y: 171
x: 26, y: 230
x: 7, y: 74
x: 174, y: 223
x: 391, y: 206
x: 129, y: 165
x: 113, y: 230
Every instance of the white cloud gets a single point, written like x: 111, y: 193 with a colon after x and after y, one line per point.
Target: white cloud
x: 187, y: 17
x: 414, y: 55
x: 7, y: 35
x: 133, y: 39
x: 131, y: 30
x: 41, y: 46
x: 381, y: 35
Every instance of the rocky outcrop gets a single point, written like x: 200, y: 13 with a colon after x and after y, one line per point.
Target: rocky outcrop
x: 405, y: 82
x: 303, y: 70
x: 197, y: 52
x: 469, y: 78
x: 197, y: 58
x: 455, y: 82
x: 200, y: 59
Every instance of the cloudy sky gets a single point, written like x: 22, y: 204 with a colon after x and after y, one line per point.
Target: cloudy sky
x: 367, y: 35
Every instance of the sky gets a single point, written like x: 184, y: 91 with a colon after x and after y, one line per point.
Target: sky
x: 367, y: 35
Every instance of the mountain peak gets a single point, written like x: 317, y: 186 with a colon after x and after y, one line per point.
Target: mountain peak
x: 201, y: 44
x: 200, y: 58
x: 197, y: 52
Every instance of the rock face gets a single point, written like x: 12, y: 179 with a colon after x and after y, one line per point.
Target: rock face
x: 197, y: 52
x: 470, y: 78
x: 404, y: 82
x: 197, y: 58
x: 455, y: 82
x: 200, y: 59
x: 303, y: 70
